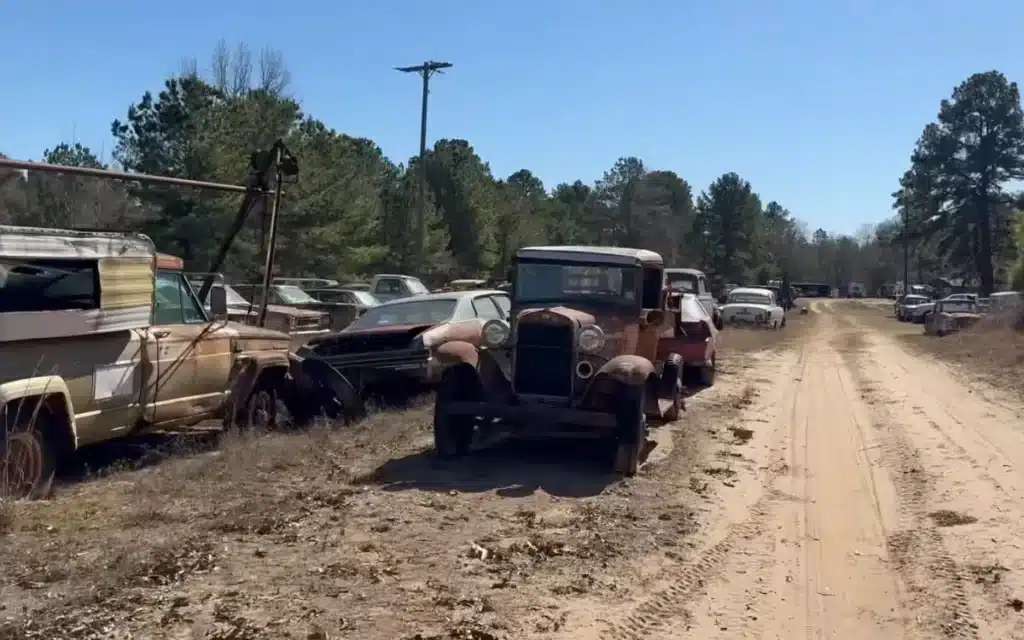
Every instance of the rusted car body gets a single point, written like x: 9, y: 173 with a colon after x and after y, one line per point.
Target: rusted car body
x: 296, y: 304
x: 950, y: 316
x: 388, y: 347
x: 696, y: 341
x: 590, y: 350
x: 102, y: 338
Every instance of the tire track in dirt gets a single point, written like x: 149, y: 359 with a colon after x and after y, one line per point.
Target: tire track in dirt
x: 820, y: 569
x: 967, y: 485
x: 937, y: 595
x: 744, y: 519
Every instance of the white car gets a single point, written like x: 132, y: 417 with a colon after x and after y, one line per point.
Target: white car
x: 753, y: 305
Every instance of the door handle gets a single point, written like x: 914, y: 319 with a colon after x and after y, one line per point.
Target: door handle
x: 162, y: 333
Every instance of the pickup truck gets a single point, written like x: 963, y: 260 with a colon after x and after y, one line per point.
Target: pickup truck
x: 103, y: 338
x: 694, y: 281
x: 389, y: 286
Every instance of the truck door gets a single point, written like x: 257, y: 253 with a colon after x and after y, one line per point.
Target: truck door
x: 189, y: 357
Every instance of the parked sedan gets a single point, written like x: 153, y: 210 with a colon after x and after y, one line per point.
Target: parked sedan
x: 902, y: 306
x: 754, y: 306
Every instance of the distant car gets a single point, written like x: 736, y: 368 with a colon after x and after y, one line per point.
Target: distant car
x: 693, y: 281
x: 755, y: 306
x: 307, y: 283
x: 902, y: 308
x: 951, y: 315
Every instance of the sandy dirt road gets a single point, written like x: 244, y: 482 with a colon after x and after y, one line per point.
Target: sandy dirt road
x: 886, y: 500
x: 831, y: 485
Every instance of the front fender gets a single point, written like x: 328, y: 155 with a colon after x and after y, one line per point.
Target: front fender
x: 630, y: 370
x: 249, y: 367
x: 457, y: 352
x: 42, y: 386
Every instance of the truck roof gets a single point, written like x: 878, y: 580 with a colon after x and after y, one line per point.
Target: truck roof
x: 38, y: 242
x: 581, y: 253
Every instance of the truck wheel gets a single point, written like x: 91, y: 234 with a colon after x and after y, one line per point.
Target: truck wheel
x: 28, y: 458
x: 631, y: 427
x: 678, y: 402
x: 260, y: 410
x: 707, y: 372
x: 453, y: 435
x: 718, y: 322
x: 783, y: 321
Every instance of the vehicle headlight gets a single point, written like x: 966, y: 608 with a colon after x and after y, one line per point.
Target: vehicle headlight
x: 496, y: 333
x: 591, y: 339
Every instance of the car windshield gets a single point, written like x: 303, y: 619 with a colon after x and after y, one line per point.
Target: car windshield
x: 544, y: 283
x: 415, y: 286
x: 234, y: 299
x: 291, y: 294
x: 364, y: 297
x: 747, y: 297
x: 411, y: 312
x: 685, y: 283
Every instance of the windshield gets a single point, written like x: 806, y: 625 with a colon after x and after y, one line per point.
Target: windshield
x: 748, y: 298
x: 292, y: 294
x: 234, y: 298
x: 412, y: 312
x: 364, y: 297
x: 687, y: 284
x: 558, y: 283
x: 415, y: 286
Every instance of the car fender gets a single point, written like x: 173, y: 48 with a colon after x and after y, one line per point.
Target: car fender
x: 631, y: 370
x: 249, y: 368
x: 456, y: 352
x: 43, y: 387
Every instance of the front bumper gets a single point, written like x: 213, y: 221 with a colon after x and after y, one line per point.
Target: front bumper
x: 539, y: 419
x: 416, y: 364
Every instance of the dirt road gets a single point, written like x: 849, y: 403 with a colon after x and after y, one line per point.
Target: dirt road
x: 832, y: 486
x: 885, y: 502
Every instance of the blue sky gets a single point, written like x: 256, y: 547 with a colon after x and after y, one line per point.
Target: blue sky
x: 817, y: 103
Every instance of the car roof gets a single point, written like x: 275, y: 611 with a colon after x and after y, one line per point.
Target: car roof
x: 685, y: 271
x: 447, y: 295
x: 757, y: 290
x: 582, y: 253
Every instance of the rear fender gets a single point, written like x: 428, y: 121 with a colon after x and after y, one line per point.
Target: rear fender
x: 31, y: 394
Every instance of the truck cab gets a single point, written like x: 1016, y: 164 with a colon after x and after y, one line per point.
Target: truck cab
x: 102, y: 338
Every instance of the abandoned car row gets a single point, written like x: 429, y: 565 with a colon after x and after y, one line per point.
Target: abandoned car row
x: 103, y: 337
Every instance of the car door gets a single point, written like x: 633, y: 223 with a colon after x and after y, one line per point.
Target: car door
x: 189, y: 357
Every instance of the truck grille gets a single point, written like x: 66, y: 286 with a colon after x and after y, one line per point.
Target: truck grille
x: 544, y: 360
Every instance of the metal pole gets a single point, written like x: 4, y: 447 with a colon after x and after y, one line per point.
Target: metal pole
x: 421, y: 202
x: 425, y: 70
x: 111, y: 174
x: 906, y: 249
x: 268, y: 264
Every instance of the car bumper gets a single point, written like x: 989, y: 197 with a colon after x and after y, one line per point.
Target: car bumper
x: 416, y: 364
x: 530, y: 419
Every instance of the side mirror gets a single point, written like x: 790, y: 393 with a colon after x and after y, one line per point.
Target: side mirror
x: 218, y: 302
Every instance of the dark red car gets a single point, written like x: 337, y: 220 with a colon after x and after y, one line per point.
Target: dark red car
x: 696, y: 331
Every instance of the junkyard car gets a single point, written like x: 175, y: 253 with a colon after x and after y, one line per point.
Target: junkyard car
x: 919, y: 311
x: 902, y: 308
x: 589, y: 351
x: 393, y: 286
x: 698, y: 341
x: 102, y: 338
x: 389, y: 345
x: 693, y: 281
x: 754, y: 306
x: 293, y: 300
x: 300, y: 324
x: 952, y: 315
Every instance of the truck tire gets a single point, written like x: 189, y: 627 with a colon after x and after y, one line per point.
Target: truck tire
x: 453, y: 435
x: 678, y: 402
x: 631, y: 432
x: 28, y: 454
x: 707, y: 372
x: 260, y: 410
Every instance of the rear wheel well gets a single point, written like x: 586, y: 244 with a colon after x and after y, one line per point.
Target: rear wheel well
x: 49, y: 412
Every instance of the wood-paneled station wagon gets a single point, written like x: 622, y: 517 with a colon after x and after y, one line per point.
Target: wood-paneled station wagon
x: 590, y: 350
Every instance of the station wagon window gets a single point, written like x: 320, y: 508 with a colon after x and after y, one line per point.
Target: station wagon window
x: 542, y: 283
x: 485, y: 308
x: 49, y: 285
x: 175, y: 302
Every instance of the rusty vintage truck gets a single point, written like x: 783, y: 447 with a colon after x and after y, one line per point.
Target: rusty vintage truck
x: 101, y: 338
x: 591, y: 350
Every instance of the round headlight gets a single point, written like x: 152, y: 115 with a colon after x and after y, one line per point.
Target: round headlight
x: 591, y: 339
x: 496, y: 333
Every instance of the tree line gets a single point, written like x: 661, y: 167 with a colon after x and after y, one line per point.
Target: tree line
x: 353, y: 210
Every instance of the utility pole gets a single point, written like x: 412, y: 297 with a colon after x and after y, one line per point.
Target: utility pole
x: 425, y: 70
x: 906, y: 243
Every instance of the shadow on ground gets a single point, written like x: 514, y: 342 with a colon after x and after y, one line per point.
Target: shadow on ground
x: 511, y: 467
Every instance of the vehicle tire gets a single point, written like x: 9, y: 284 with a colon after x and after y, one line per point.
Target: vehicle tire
x: 707, y: 372
x: 28, y: 456
x: 260, y: 409
x: 453, y: 435
x: 678, y: 402
x: 631, y: 427
x: 718, y: 321
x: 783, y: 322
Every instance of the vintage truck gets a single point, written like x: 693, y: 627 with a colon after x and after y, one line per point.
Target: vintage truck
x: 101, y: 338
x: 591, y: 349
